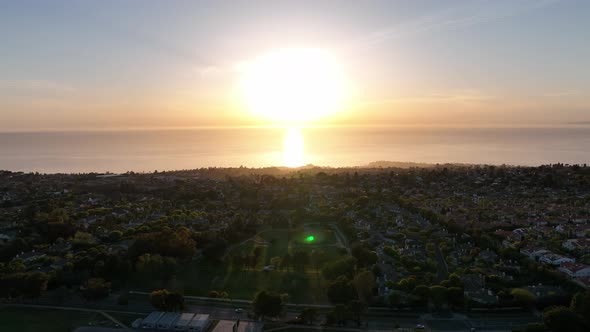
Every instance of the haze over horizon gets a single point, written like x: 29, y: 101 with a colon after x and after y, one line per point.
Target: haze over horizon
x: 70, y: 65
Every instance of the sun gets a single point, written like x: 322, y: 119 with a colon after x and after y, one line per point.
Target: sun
x: 293, y: 86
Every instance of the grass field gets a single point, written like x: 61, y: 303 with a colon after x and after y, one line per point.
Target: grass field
x: 33, y: 320
x: 198, y: 277
x: 302, y: 286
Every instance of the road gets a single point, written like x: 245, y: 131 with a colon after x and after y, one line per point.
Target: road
x: 341, y: 238
x: 378, y: 318
x: 443, y: 268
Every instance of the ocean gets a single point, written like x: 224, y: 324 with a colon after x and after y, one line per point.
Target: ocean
x: 149, y: 150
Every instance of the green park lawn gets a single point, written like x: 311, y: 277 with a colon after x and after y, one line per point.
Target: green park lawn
x: 302, y: 286
x: 33, y: 320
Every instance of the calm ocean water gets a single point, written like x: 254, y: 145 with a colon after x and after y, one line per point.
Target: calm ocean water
x: 119, y: 151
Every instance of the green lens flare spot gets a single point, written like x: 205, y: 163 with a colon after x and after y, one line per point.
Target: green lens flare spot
x: 310, y: 238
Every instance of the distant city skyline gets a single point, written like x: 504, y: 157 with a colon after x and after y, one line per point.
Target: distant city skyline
x: 72, y: 65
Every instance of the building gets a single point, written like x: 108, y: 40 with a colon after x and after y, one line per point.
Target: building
x: 182, y: 322
x: 199, y: 323
x: 238, y: 326
x: 534, y: 253
x: 578, y: 245
x: 4, y: 239
x: 165, y: 323
x: 555, y: 259
x: 575, y: 270
x: 151, y: 320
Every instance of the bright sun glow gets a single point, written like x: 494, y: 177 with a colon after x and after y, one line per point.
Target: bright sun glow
x: 294, y: 86
x: 293, y: 148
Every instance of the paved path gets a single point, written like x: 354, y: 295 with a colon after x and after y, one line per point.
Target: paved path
x: 233, y: 246
x: 341, y: 238
x: 443, y: 268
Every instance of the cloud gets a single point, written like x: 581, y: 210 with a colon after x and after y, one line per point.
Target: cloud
x: 37, y: 86
x: 559, y: 94
x: 467, y: 14
x: 217, y: 71
x: 454, y: 96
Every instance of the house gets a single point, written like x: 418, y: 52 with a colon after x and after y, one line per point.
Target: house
x: 30, y: 256
x: 182, y: 322
x: 575, y: 270
x: 4, y: 239
x: 151, y: 320
x: 488, y: 255
x: 165, y: 323
x: 533, y: 252
x: 584, y: 282
x: 555, y: 259
x: 579, y: 245
x: 199, y: 323
x: 520, y: 233
x: 581, y: 230
x: 508, y: 238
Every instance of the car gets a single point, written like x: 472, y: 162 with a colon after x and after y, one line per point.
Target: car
x: 238, y: 310
x: 420, y: 327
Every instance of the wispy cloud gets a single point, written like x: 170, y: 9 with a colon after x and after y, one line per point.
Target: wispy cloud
x: 560, y: 94
x: 454, y: 96
x: 38, y: 86
x: 465, y: 15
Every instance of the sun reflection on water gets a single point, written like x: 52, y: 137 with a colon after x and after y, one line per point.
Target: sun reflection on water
x: 293, y: 148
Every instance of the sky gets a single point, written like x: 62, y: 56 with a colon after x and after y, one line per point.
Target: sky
x: 77, y: 65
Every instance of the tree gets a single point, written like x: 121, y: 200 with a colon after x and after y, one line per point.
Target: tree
x: 300, y: 259
x: 115, y: 236
x: 95, y: 288
x: 422, y: 292
x: 439, y: 295
x: 364, y: 283
x: 456, y: 297
x: 364, y: 256
x: 580, y: 304
x: 524, y: 297
x: 31, y: 284
x: 395, y: 299
x: 455, y: 281
x: 165, y: 300
x: 267, y: 304
x: 83, y: 239
x: 172, y: 243
x: 357, y: 309
x: 214, y: 251
x: 158, y: 299
x: 341, y: 290
x: 156, y: 266
x: 342, y: 267
x: 308, y: 315
x: 560, y: 318
x: 286, y: 262
x: 337, y: 315
x: 318, y: 258
x: 276, y: 261
x: 407, y: 284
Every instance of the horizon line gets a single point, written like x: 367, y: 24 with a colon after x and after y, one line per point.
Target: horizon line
x: 580, y: 124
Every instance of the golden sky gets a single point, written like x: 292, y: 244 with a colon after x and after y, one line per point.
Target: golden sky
x: 104, y: 65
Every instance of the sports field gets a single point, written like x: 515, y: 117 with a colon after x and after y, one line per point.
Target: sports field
x: 306, y: 286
